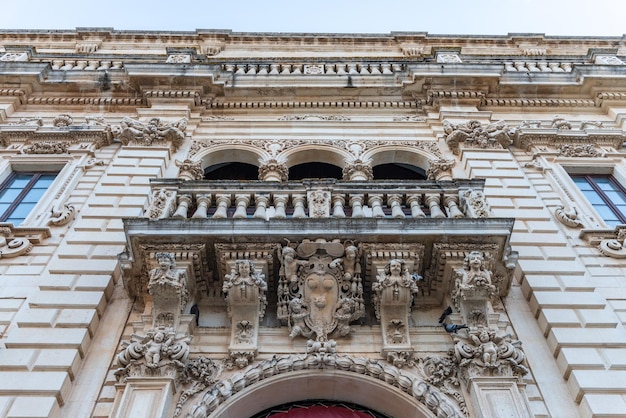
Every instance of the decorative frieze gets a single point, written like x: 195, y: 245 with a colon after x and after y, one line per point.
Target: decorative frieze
x: 46, y: 147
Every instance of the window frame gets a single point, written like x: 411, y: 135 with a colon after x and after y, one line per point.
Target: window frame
x: 64, y: 166
x: 590, y: 168
x: 19, y: 199
x: 591, y: 180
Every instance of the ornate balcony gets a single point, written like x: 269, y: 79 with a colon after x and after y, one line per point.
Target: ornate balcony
x: 312, y: 255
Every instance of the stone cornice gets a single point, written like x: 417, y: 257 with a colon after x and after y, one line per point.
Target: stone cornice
x: 551, y: 137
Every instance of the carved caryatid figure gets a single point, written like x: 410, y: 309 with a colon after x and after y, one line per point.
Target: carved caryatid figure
x: 475, y: 276
x: 168, y: 287
x: 320, y: 290
x: 394, y: 290
x: 396, y: 277
x: 245, y: 295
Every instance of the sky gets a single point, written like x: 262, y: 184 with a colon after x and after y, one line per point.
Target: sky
x: 454, y: 17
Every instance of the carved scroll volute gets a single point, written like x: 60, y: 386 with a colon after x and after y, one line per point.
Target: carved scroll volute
x: 393, y: 296
x: 245, y: 295
x: 169, y: 289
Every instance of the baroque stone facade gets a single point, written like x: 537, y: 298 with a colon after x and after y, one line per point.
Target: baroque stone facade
x: 418, y: 225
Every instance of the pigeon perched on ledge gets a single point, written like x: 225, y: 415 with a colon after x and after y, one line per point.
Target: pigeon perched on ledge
x: 445, y: 313
x: 453, y: 328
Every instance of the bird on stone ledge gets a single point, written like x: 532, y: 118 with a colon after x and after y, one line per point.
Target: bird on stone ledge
x: 453, y: 328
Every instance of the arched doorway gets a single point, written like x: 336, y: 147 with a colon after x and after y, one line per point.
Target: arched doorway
x: 318, y: 409
x: 331, y: 385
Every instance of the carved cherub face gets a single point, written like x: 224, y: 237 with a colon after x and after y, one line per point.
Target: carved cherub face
x: 395, y: 267
x: 475, y: 260
x: 244, y: 269
x: 159, y: 337
x: 165, y: 261
x: 351, y: 252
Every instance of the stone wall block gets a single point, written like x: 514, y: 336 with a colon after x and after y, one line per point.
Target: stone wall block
x: 69, y: 300
x: 56, y: 338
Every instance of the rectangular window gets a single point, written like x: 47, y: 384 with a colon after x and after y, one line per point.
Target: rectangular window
x: 606, y: 195
x: 19, y: 194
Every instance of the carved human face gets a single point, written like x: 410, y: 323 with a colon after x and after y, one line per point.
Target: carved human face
x: 159, y: 337
x: 244, y: 269
x: 395, y: 267
x: 475, y: 260
x: 288, y: 257
x: 351, y: 253
x: 165, y: 263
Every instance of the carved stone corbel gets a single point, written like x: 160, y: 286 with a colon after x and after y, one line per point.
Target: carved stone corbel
x: 13, y: 246
x: 393, y: 298
x: 170, y: 291
x: 245, y: 295
x: 160, y: 353
x: 473, y: 289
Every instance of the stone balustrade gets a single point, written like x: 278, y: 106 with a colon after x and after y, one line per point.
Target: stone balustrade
x: 87, y: 65
x: 539, y: 66
x: 315, y: 69
x: 312, y: 199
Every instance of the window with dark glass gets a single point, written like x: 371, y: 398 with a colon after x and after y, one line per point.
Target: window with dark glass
x: 19, y: 194
x: 606, y: 195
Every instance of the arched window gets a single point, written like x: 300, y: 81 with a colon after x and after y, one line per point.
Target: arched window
x: 231, y: 171
x: 315, y: 170
x: 398, y: 171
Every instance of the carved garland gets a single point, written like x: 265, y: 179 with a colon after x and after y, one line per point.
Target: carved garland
x: 325, y: 358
